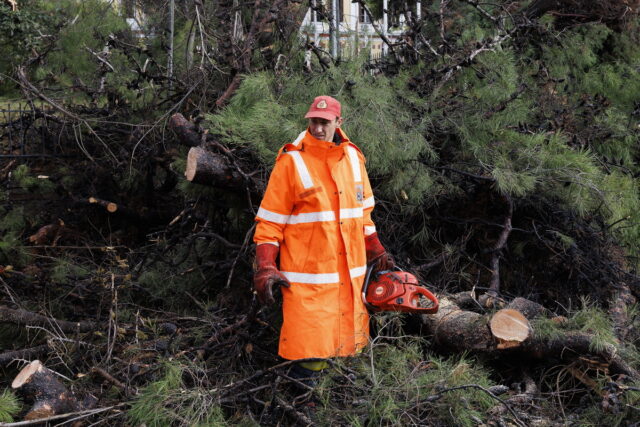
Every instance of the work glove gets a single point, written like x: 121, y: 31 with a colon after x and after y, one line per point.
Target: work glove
x: 377, y: 256
x: 266, y: 273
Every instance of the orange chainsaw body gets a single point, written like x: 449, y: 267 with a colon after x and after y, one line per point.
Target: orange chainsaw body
x: 396, y: 291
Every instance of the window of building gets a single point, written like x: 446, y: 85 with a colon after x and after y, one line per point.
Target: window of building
x: 363, y: 16
x: 327, y: 8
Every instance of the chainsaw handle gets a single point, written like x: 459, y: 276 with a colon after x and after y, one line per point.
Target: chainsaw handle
x: 431, y: 297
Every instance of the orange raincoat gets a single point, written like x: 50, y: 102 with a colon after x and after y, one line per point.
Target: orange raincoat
x: 317, y: 209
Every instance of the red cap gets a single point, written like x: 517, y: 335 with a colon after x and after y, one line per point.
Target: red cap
x: 324, y: 107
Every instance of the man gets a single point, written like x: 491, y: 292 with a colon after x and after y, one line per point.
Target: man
x: 316, y: 214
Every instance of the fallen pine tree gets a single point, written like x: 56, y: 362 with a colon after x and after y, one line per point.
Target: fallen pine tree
x: 509, y: 174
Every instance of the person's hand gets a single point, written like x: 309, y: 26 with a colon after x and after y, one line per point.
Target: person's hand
x: 267, y: 274
x: 377, y: 255
x: 263, y: 281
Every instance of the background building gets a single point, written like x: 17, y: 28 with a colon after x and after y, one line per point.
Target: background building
x: 355, y: 30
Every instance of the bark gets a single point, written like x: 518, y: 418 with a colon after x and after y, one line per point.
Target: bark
x: 24, y: 317
x: 457, y: 329
x: 574, y: 344
x: 48, y: 234
x: 528, y: 308
x: 460, y: 330
x: 50, y: 397
x: 494, y: 285
x: 26, y: 353
x: 123, y: 211
x: 619, y: 308
x: 109, y: 206
x: 188, y: 133
x: 205, y: 167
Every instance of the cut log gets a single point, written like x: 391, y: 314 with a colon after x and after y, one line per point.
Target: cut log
x: 109, y: 206
x: 188, y: 133
x: 121, y: 211
x: 466, y: 330
x: 458, y: 329
x: 50, y: 397
x: 205, y: 167
x: 509, y: 327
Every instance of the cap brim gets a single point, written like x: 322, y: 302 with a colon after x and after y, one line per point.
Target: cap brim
x: 320, y: 115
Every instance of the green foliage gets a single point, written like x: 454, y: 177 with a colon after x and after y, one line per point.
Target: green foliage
x: 9, y: 406
x: 12, y: 221
x: 67, y: 36
x: 171, y: 284
x: 594, y: 416
x: 87, y: 29
x: 12, y: 224
x: 63, y: 270
x: 23, y: 178
x: 589, y: 319
x: 594, y: 321
x: 517, y: 120
x: 267, y: 111
x: 21, y: 33
x: 169, y: 400
x: 394, y: 380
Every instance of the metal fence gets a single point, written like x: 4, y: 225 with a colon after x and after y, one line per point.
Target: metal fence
x: 30, y: 130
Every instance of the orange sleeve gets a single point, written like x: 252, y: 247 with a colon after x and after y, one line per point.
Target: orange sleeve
x: 368, y: 203
x: 277, y: 203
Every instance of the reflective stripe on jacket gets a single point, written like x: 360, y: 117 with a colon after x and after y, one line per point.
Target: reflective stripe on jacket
x: 317, y: 208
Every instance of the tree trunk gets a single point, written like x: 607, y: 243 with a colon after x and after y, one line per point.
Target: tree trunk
x: 205, y: 167
x: 458, y: 329
x: 49, y: 396
x: 24, y: 317
x: 188, y: 133
x: 508, y: 330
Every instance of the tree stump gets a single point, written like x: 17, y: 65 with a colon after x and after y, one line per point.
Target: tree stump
x: 49, y: 396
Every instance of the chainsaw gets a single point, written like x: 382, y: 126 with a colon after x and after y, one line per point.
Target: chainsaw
x: 396, y: 291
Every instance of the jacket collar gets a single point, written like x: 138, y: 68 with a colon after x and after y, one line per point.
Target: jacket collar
x: 306, y: 139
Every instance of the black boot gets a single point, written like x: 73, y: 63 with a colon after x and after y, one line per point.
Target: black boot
x: 304, y: 375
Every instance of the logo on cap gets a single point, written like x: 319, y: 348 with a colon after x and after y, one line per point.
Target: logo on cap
x: 322, y: 104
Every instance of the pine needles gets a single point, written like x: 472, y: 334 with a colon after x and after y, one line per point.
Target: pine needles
x: 169, y: 400
x: 267, y: 112
x: 9, y: 406
x: 395, y: 385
